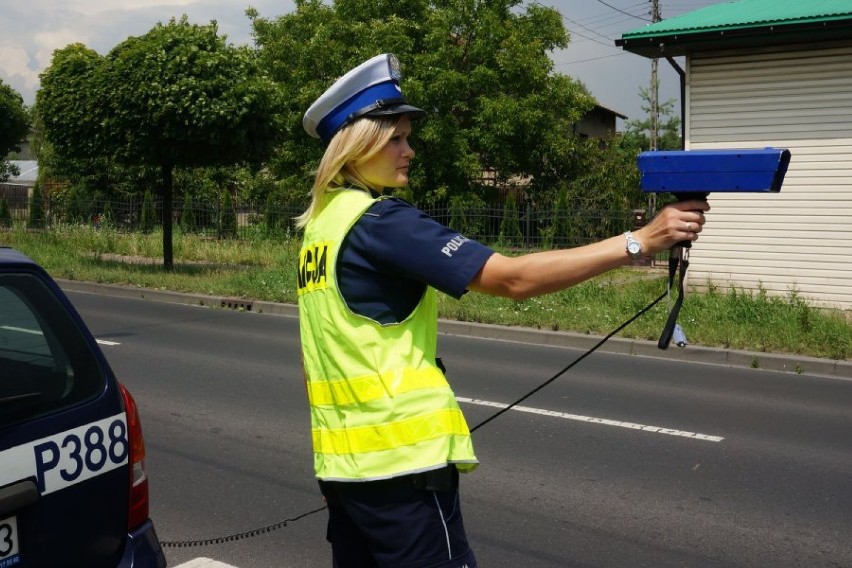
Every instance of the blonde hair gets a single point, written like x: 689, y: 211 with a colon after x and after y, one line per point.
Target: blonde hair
x: 350, y: 147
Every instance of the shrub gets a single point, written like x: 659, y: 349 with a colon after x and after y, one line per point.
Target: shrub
x: 510, y: 226
x: 148, y: 220
x: 188, y: 222
x: 5, y: 214
x: 37, y: 216
x: 271, y: 213
x: 228, y: 219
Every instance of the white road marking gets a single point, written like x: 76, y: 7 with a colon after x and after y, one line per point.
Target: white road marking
x: 21, y: 329
x: 204, y: 563
x: 38, y: 332
x: 593, y: 420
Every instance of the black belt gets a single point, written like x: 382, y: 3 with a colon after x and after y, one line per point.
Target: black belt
x: 442, y: 479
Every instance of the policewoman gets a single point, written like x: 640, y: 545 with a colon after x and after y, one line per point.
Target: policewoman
x: 389, y: 438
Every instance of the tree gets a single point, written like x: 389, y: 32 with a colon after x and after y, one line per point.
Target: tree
x: 178, y: 96
x: 480, y: 67
x: 668, y: 127
x: 14, y: 127
x: 606, y: 184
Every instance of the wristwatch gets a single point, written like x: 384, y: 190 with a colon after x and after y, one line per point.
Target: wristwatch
x: 634, y: 247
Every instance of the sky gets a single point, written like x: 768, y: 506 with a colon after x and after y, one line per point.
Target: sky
x: 31, y: 30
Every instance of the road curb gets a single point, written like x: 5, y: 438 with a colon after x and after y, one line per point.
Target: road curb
x: 786, y: 363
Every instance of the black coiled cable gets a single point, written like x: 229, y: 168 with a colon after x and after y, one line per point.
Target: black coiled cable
x: 281, y: 524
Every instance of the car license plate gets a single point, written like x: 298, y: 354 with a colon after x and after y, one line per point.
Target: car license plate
x: 9, y: 553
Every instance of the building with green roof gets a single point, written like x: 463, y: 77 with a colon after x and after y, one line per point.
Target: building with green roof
x: 760, y: 73
x: 742, y: 25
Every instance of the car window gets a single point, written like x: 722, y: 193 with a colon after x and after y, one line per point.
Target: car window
x: 46, y: 364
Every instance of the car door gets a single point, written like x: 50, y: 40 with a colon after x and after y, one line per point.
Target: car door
x: 64, y: 475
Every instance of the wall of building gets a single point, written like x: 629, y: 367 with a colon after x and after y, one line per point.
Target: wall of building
x: 800, y: 98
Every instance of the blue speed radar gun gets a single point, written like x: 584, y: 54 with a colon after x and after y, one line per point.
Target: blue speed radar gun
x: 693, y: 174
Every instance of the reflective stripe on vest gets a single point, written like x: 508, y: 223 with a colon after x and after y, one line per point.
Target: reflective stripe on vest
x: 373, y: 387
x: 396, y: 434
x: 380, y: 407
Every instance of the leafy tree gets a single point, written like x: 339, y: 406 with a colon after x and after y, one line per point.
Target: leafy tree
x: 148, y: 217
x: 14, y: 127
x: 178, y: 96
x: 607, y: 180
x: 67, y: 118
x: 36, y: 218
x: 480, y: 67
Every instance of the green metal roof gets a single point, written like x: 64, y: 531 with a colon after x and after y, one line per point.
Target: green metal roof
x: 741, y: 24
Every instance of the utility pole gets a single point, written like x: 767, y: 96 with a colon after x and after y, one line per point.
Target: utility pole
x: 654, y: 90
x: 655, y: 105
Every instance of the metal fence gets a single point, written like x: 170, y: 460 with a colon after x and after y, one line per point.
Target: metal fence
x: 529, y: 227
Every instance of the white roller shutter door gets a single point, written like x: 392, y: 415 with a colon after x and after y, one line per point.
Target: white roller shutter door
x: 799, y: 240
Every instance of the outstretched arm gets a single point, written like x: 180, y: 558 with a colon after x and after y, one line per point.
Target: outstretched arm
x: 540, y: 273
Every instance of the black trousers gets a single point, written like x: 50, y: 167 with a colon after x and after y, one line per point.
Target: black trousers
x: 411, y: 521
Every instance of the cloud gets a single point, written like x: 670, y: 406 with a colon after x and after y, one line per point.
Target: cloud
x: 31, y: 31
x: 15, y: 67
x: 96, y: 7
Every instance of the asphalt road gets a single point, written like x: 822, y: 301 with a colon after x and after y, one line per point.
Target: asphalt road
x: 624, y: 461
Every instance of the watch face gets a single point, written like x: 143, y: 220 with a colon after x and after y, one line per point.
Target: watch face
x: 633, y: 247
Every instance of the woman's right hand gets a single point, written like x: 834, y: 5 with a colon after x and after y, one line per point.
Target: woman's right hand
x: 676, y: 222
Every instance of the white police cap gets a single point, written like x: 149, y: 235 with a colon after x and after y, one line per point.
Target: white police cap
x: 371, y: 89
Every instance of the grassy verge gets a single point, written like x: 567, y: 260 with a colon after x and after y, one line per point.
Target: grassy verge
x: 260, y: 268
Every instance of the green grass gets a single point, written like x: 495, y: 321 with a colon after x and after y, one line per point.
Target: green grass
x: 261, y: 268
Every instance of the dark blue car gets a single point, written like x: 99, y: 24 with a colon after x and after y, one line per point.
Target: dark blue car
x: 73, y: 488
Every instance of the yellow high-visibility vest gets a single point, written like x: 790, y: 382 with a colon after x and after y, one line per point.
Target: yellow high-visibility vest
x: 380, y: 406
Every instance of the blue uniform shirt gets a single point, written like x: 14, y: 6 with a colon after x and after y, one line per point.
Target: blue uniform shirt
x: 394, y: 251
